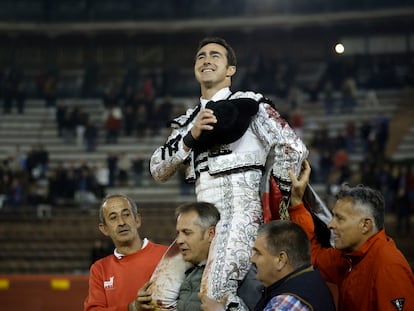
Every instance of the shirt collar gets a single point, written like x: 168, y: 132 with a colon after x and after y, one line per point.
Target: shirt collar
x: 358, y: 254
x: 303, y: 269
x: 118, y: 255
x: 222, y: 94
x: 201, y: 265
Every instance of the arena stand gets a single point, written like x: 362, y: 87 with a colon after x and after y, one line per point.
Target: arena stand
x: 46, y: 248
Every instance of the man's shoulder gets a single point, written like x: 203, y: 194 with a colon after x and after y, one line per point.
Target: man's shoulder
x: 385, y: 251
x: 258, y: 97
x: 157, y: 247
x: 247, y: 94
x: 185, y: 118
x: 104, y: 261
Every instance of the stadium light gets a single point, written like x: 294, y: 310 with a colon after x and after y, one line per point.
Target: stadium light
x: 339, y: 48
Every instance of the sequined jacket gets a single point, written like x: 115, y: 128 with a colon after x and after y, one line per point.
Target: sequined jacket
x: 268, y: 132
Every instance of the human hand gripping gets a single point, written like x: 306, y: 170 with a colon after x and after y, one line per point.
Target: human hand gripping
x: 143, y: 299
x: 299, y: 183
x: 204, y: 122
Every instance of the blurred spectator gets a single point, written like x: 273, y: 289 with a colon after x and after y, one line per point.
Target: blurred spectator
x: 325, y: 164
x: 113, y: 123
x: 90, y: 135
x: 295, y: 97
x: 49, y: 90
x: 382, y: 134
x: 86, y: 187
x: 387, y: 184
x: 81, y: 118
x: 112, y: 164
x: 15, y: 194
x: 350, y: 136
x: 142, y: 120
x: 349, y: 93
x: 124, y: 167
x: 69, y: 122
x: 138, y: 170
x: 102, y: 178
x: 7, y: 84
x: 43, y: 160
x: 371, y: 99
x: 328, y: 98
x: 60, y: 118
x: 37, y: 162
x: 34, y: 198
x: 340, y: 172
x: 17, y: 159
x: 323, y: 143
x: 56, y: 184
x: 109, y: 96
x: 320, y: 136
x: 20, y: 94
x: 149, y: 101
x: 6, y: 177
x: 314, y: 159
x: 364, y: 133
x: 70, y: 184
x: 338, y: 141
x: 129, y: 111
x: 313, y: 92
x: 129, y: 120
x: 130, y: 97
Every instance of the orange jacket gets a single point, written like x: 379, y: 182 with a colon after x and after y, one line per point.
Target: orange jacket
x: 376, y: 277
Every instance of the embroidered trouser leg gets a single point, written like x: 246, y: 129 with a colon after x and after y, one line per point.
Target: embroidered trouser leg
x: 237, y: 198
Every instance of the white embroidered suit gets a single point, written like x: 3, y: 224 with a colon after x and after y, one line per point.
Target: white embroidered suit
x: 229, y: 176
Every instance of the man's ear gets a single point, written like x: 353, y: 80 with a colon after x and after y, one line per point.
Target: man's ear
x: 211, y: 231
x: 103, y: 229
x: 281, y: 260
x: 231, y: 70
x: 138, y: 220
x: 367, y: 225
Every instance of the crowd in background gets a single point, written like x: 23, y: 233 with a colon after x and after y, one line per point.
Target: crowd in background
x: 140, y: 107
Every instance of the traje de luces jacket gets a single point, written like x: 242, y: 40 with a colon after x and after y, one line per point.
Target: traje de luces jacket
x: 266, y: 131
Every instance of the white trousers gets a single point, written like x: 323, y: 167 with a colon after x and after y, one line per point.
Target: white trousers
x: 237, y: 198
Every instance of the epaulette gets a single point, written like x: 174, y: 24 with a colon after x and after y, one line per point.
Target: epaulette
x: 184, y: 120
x: 252, y: 95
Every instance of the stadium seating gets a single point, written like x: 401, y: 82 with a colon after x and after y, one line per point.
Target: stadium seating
x: 60, y: 240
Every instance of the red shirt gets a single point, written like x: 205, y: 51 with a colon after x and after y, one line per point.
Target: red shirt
x: 376, y: 277
x: 114, y: 283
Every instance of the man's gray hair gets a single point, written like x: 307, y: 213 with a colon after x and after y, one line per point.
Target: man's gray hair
x: 208, y: 215
x: 367, y: 200
x: 121, y: 196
